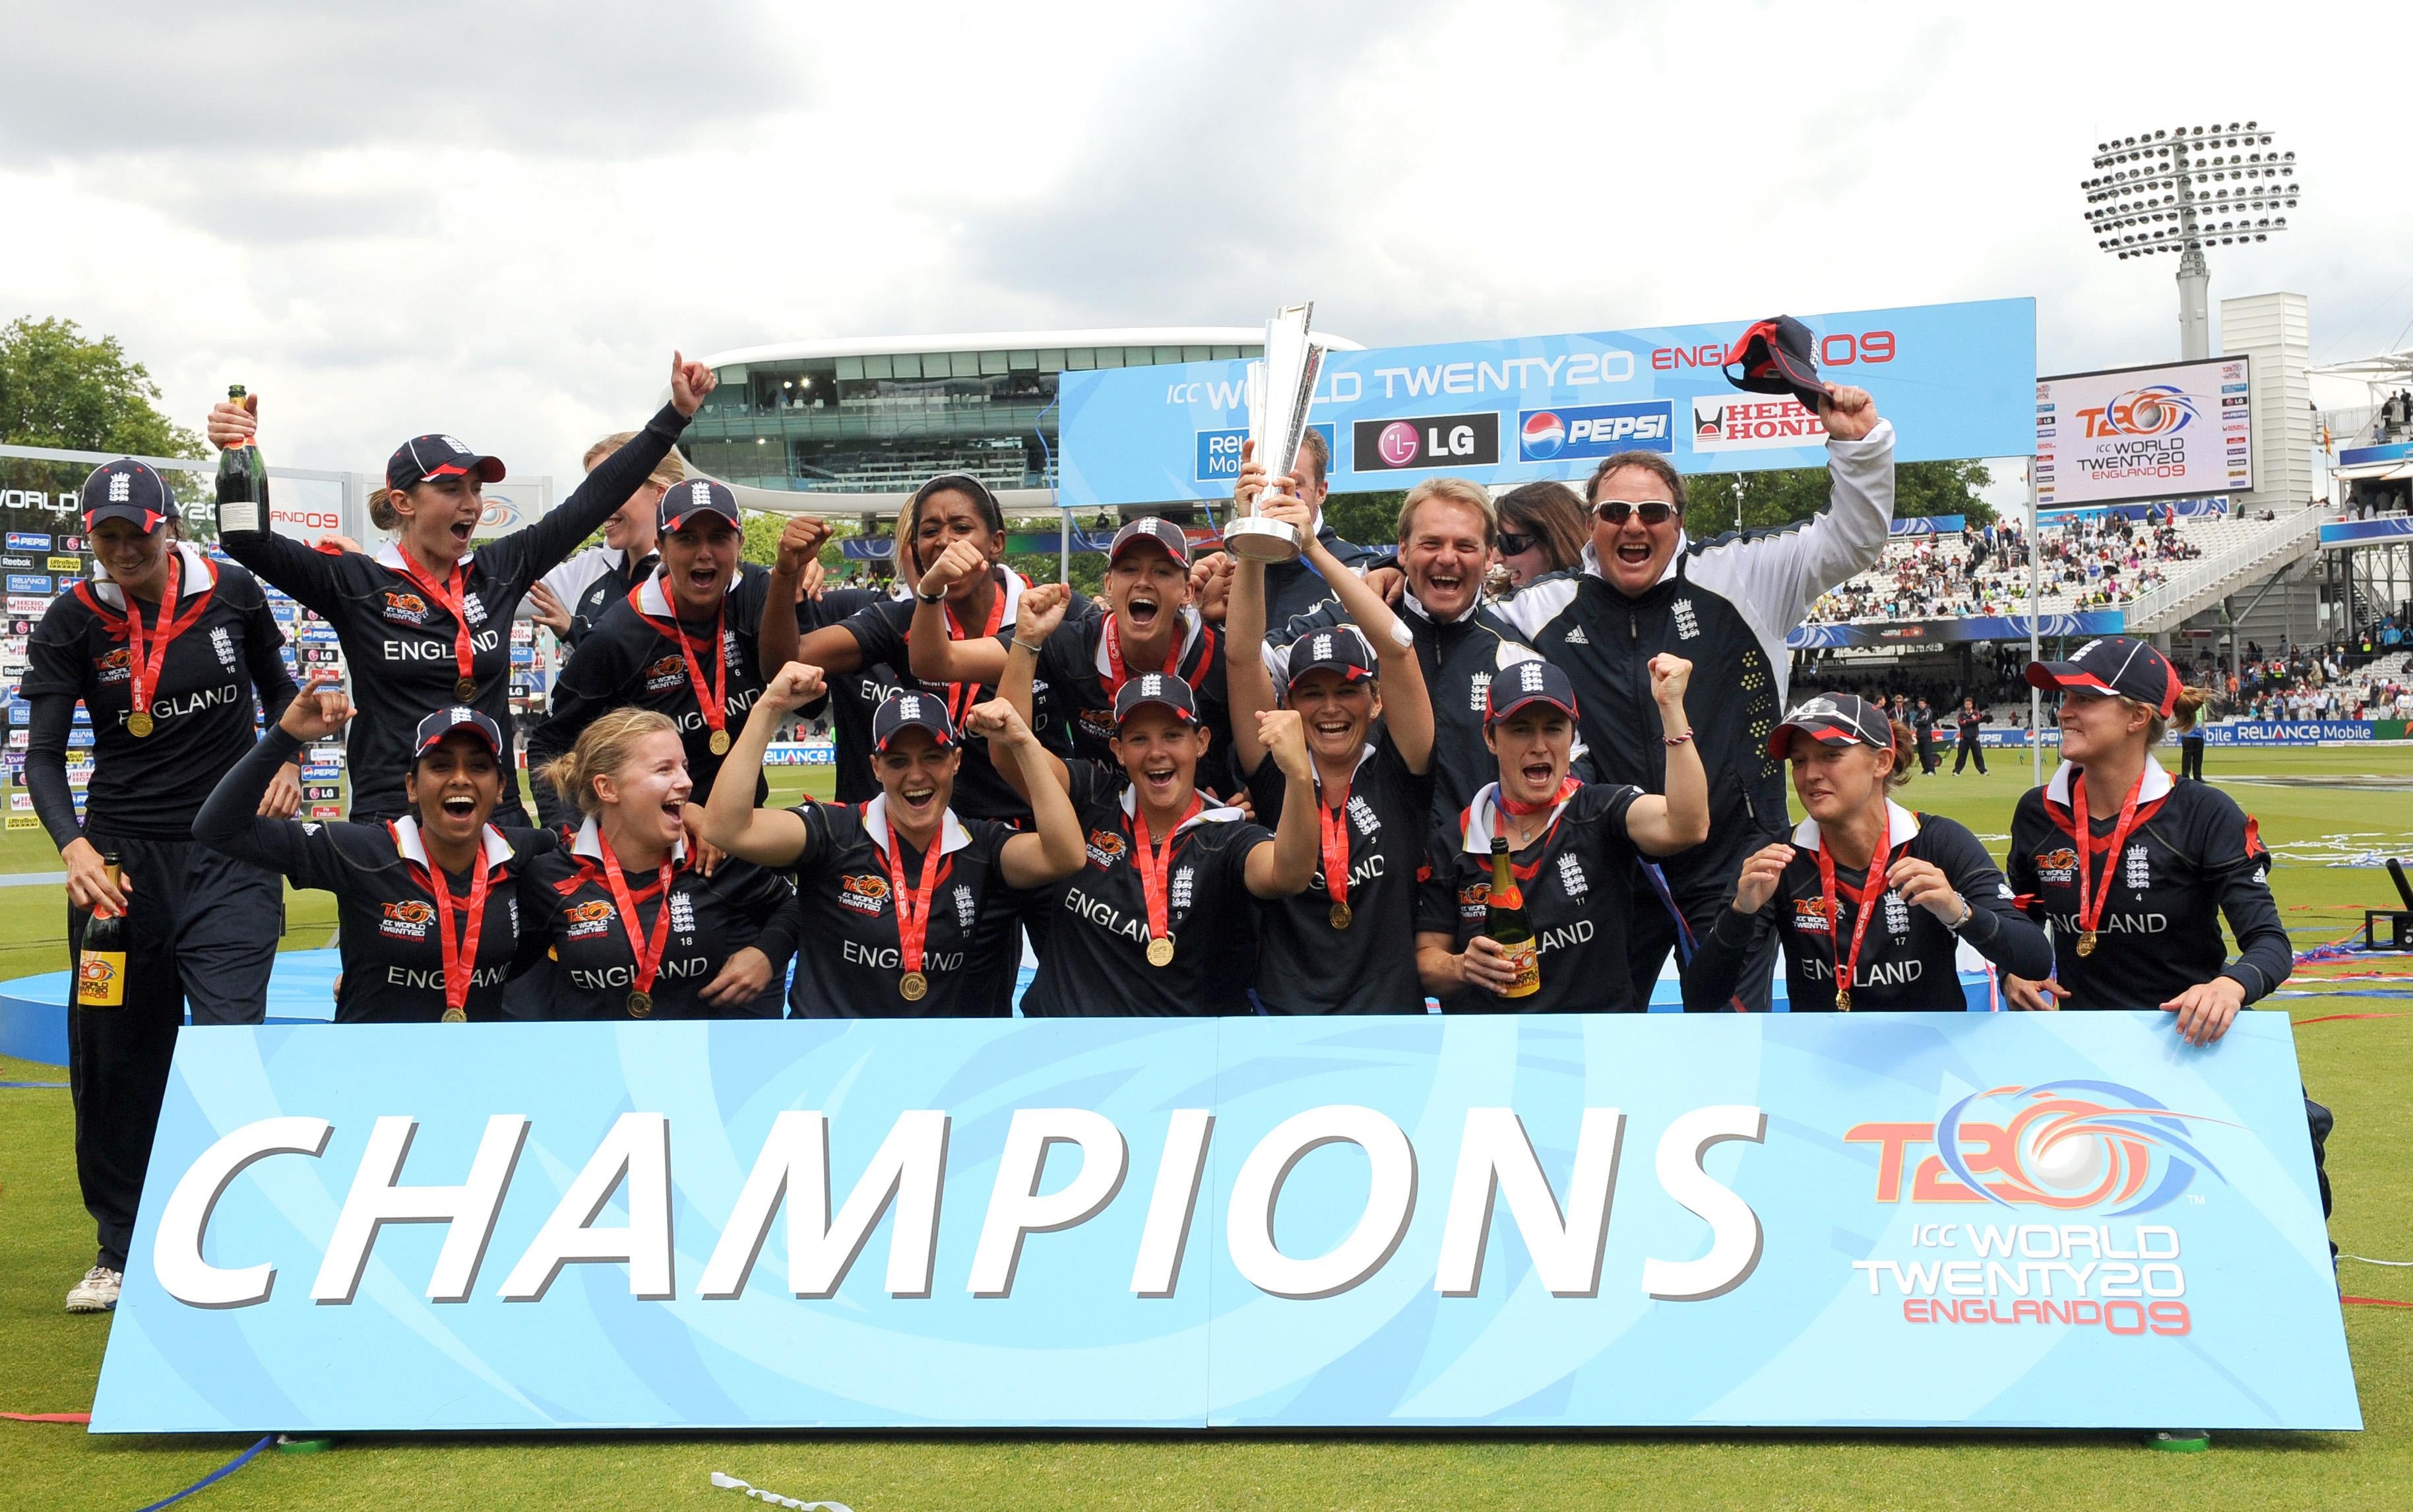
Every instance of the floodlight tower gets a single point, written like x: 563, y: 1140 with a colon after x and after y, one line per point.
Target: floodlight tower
x: 2181, y: 190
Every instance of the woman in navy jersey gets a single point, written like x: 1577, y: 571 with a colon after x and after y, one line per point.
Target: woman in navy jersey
x: 1572, y: 849
x: 1160, y: 919
x: 424, y: 621
x: 427, y: 903
x: 1868, y: 900
x: 2133, y: 873
x: 166, y: 650
x: 904, y: 901
x: 632, y: 929
x: 949, y: 543
x: 1346, y: 945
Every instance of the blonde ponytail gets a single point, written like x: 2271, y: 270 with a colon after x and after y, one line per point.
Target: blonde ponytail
x: 603, y: 748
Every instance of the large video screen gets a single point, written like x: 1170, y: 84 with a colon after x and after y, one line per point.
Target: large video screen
x: 2139, y: 432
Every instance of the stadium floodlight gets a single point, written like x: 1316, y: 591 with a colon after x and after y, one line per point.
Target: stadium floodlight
x: 2185, y: 188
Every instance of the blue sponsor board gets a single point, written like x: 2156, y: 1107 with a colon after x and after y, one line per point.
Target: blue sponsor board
x: 80, y: 739
x: 1470, y: 1221
x: 1587, y: 431
x: 29, y: 583
x: 2290, y: 733
x: 800, y: 753
x: 2366, y: 532
x: 2359, y: 456
x: 1219, y: 453
x: 1957, y: 380
x: 28, y: 540
x: 1945, y: 632
x: 20, y: 712
x: 317, y: 772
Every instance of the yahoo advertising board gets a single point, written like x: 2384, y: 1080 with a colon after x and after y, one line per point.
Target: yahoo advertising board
x: 2032, y: 1219
x: 1956, y: 380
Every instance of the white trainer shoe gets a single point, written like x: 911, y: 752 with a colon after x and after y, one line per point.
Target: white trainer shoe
x: 98, y: 1291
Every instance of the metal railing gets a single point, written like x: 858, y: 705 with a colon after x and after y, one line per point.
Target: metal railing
x: 2164, y: 606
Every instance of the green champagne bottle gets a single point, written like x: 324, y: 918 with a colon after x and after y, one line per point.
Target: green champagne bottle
x: 243, y: 483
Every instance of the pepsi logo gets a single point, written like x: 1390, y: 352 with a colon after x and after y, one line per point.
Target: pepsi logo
x: 1544, y: 432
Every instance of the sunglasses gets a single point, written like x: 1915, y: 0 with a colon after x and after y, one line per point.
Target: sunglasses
x: 1515, y: 545
x: 1653, y: 511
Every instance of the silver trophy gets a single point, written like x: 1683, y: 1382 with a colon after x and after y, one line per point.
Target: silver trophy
x: 1284, y: 386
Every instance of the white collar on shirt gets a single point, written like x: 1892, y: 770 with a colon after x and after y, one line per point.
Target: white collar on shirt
x: 1416, y: 607
x: 407, y: 840
x: 390, y: 555
x: 654, y: 598
x: 1901, y: 824
x: 875, y: 824
x: 589, y: 843
x: 195, y: 574
x: 1203, y: 816
x: 1483, y: 816
x: 2157, y: 782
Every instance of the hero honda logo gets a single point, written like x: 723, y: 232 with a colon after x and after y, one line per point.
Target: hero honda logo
x: 1594, y: 431
x: 1413, y: 441
x: 2075, y: 1144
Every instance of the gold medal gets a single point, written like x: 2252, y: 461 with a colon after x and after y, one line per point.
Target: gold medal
x: 456, y: 1015
x: 1159, y: 951
x: 138, y: 723
x: 1842, y: 1002
x: 913, y: 986
x: 640, y: 1005
x: 2086, y: 942
x: 465, y: 690
x: 1341, y: 916
x: 719, y: 743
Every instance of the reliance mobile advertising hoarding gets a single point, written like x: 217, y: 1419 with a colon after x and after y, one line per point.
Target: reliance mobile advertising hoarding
x: 2145, y: 433
x: 1866, y: 1219
x: 1954, y: 379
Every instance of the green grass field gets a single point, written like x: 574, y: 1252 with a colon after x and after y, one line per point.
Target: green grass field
x: 49, y: 1362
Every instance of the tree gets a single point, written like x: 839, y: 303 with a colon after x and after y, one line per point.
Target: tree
x: 1786, y: 495
x: 59, y: 389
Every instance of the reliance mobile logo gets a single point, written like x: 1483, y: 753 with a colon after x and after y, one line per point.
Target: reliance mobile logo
x: 1595, y: 431
x: 2157, y: 409
x: 2061, y: 1151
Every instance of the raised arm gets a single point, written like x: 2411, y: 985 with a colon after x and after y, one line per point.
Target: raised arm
x: 776, y: 638
x: 1663, y: 824
x: 1284, y: 867
x: 534, y: 550
x: 1041, y: 611
x: 1722, y: 950
x: 1053, y: 850
x: 229, y: 821
x: 937, y: 656
x: 766, y: 836
x: 1407, y: 703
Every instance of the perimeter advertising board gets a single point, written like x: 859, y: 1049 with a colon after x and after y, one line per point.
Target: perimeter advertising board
x: 2145, y: 433
x: 1954, y: 378
x: 1866, y: 1219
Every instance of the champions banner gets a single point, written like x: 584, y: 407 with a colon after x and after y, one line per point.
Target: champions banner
x: 1954, y: 378
x: 2049, y: 1219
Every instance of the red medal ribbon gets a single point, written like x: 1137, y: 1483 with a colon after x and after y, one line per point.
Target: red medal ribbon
x: 962, y: 696
x: 714, y: 711
x: 2090, y: 912
x: 1872, y: 883
x: 454, y: 597
x: 1154, y: 863
x: 648, y: 954
x: 1332, y: 834
x: 147, y: 656
x: 913, y: 905
x: 1118, y: 674
x: 461, y: 959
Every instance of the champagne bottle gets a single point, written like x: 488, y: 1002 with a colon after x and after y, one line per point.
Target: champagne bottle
x: 1503, y: 920
x: 242, y: 482
x: 101, y: 970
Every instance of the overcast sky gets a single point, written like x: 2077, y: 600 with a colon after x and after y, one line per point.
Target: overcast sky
x: 498, y: 220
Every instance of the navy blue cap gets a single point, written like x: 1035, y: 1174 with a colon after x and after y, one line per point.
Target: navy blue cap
x: 1156, y: 687
x: 433, y: 729
x: 907, y: 707
x: 682, y: 501
x: 1774, y: 356
x: 2116, y: 666
x: 1530, y: 681
x: 1833, y: 720
x: 127, y: 490
x: 1150, y: 528
x: 1341, y: 650
x: 425, y: 457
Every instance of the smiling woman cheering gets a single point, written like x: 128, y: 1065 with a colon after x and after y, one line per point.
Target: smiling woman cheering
x: 424, y: 621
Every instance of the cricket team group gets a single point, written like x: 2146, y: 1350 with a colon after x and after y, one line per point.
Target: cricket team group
x: 1224, y: 786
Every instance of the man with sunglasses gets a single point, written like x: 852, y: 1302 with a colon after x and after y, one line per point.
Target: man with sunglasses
x: 1725, y: 605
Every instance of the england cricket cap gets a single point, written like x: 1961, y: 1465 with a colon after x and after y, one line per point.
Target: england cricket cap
x: 127, y: 490
x: 1774, y: 358
x: 1833, y: 720
x: 684, y: 501
x: 1530, y: 681
x: 2118, y: 667
x: 424, y: 459
x: 1149, y: 527
x: 433, y: 729
x: 1156, y: 687
x: 1341, y: 650
x: 910, y: 708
